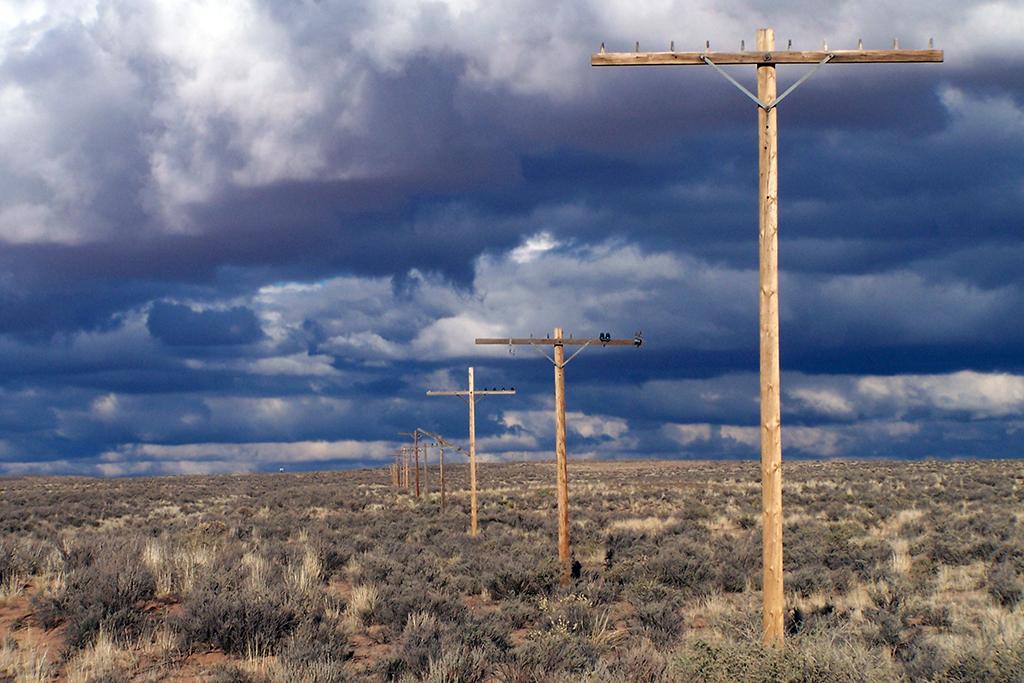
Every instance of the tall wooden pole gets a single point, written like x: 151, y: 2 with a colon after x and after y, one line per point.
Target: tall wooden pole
x: 472, y: 457
x: 771, y: 418
x: 416, y: 452
x: 426, y: 469
x: 442, y: 478
x: 561, y: 462
x: 765, y: 58
x: 472, y: 395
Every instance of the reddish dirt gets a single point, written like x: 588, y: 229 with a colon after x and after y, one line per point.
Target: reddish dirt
x: 16, y: 621
x: 195, y: 667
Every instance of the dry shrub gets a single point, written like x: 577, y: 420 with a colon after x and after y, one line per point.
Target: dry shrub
x: 24, y: 666
x: 806, y: 661
x: 457, y: 664
x: 107, y: 592
x: 1005, y: 585
x: 419, y: 641
x: 230, y: 614
x: 659, y: 621
x: 103, y: 660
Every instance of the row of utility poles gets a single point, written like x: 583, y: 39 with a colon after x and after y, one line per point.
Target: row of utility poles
x: 406, y: 455
x: 410, y: 455
x: 765, y: 58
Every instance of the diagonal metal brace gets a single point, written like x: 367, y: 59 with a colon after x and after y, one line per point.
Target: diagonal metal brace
x: 578, y: 352
x: 778, y: 100
x: 767, y: 106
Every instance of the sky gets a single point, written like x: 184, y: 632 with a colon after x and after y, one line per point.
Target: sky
x: 244, y: 235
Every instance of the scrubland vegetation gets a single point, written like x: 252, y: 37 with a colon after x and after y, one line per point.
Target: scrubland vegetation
x: 894, y: 571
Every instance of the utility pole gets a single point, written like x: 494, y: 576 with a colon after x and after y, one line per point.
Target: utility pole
x: 764, y: 58
x: 416, y: 450
x: 405, y: 467
x: 441, y: 444
x: 472, y: 395
x: 561, y: 461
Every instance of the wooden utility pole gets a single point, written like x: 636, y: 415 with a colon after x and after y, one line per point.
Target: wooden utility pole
x: 561, y: 461
x: 405, y: 467
x: 440, y: 442
x: 415, y: 434
x: 765, y: 59
x: 472, y: 395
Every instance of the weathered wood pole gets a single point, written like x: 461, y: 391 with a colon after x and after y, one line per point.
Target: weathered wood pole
x: 472, y: 457
x: 771, y: 417
x: 416, y: 451
x: 441, y: 451
x: 561, y: 462
x: 426, y: 469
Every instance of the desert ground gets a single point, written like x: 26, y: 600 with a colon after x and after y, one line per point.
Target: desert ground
x: 895, y: 571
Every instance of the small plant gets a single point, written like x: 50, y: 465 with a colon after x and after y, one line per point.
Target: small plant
x: 1005, y: 585
x: 106, y: 594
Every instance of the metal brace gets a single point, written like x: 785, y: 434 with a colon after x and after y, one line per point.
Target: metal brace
x: 767, y: 106
x: 566, y: 361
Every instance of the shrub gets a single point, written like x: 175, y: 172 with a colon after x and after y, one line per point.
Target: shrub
x: 658, y: 621
x: 107, y: 594
x: 515, y: 579
x: 750, y: 662
x: 685, y: 566
x: 640, y: 663
x: 420, y: 639
x: 235, y: 618
x: 555, y: 653
x: 316, y: 642
x: 457, y: 664
x: 1004, y: 585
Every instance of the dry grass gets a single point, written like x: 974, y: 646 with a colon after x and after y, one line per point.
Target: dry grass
x: 19, y: 665
x: 336, y: 576
x: 104, y: 659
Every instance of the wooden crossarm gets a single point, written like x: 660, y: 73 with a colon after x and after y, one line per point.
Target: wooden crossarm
x: 478, y: 392
x: 762, y: 58
x: 531, y: 341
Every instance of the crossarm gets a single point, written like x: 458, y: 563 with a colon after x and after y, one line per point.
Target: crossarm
x: 532, y: 341
x: 777, y: 57
x: 478, y: 392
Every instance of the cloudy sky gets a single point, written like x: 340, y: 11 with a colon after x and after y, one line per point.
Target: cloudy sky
x: 243, y: 234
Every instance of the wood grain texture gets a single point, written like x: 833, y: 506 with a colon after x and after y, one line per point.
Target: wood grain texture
x: 561, y: 463
x: 530, y: 341
x: 472, y: 459
x: 766, y: 57
x: 771, y: 423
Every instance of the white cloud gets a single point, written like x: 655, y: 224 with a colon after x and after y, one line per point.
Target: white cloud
x: 687, y: 434
x: 980, y: 394
x: 541, y: 423
x: 532, y: 247
x: 746, y: 436
x: 823, y: 401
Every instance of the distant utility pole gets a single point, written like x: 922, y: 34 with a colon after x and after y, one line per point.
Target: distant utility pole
x: 404, y: 451
x: 765, y: 58
x: 561, y: 462
x: 472, y: 395
x: 395, y: 469
x: 416, y: 450
x: 441, y: 444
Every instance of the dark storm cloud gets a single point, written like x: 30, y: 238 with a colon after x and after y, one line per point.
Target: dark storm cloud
x: 337, y: 196
x: 178, y: 325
